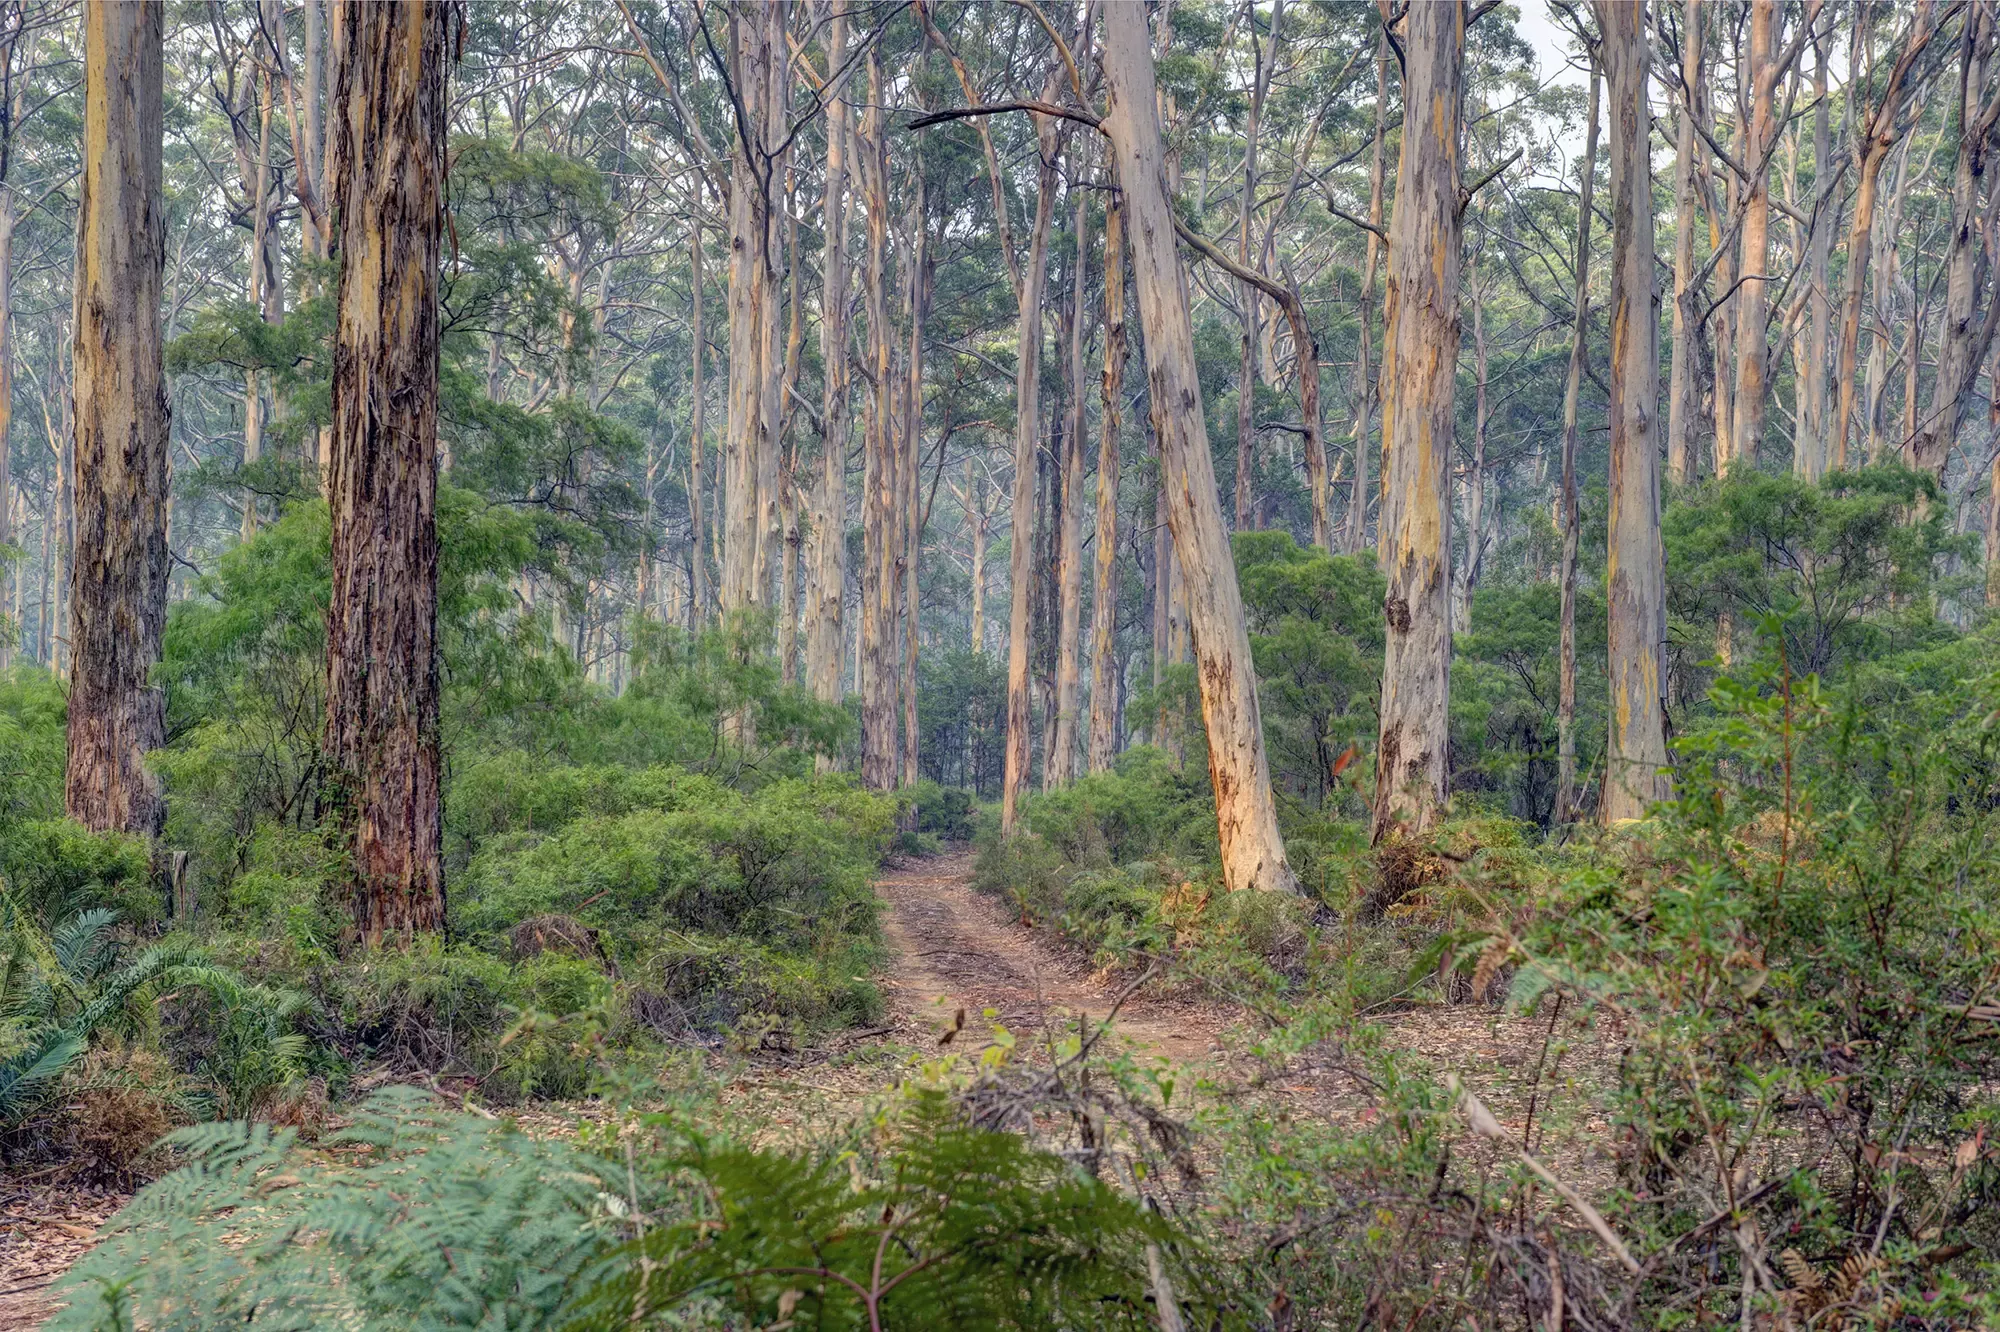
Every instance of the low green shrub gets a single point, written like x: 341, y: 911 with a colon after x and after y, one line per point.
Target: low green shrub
x: 56, y: 868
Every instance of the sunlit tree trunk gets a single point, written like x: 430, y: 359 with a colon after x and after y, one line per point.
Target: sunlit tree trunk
x: 878, y: 672
x: 1964, y: 336
x: 1635, y: 576
x: 118, y: 578
x: 1104, y: 596
x: 1565, y: 809
x: 1253, y: 853
x: 382, y: 664
x: 1753, y: 295
x: 1027, y: 436
x: 1682, y: 407
x: 1061, y: 759
x: 829, y: 520
x: 1419, y: 367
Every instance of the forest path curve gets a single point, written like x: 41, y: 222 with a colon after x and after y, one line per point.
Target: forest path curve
x: 955, y: 947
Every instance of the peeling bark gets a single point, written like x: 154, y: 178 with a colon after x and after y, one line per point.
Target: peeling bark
x: 1104, y: 600
x: 118, y: 578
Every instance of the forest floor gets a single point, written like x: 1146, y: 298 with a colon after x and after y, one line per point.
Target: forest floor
x: 955, y: 955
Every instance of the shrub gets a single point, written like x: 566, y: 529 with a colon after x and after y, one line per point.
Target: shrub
x: 56, y: 869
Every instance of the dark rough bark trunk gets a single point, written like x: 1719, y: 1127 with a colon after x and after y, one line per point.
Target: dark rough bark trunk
x: 382, y: 668
x: 118, y: 582
x: 1419, y: 369
x: 1635, y: 572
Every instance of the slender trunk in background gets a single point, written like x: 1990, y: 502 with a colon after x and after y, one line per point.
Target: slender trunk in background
x: 1253, y: 853
x: 1419, y: 370
x: 1565, y: 809
x: 829, y: 520
x: 263, y: 290
x: 1963, y: 337
x: 1876, y: 133
x: 1682, y: 407
x: 1027, y: 436
x: 1810, y: 452
x: 7, y: 533
x: 1261, y: 57
x: 750, y: 340
x: 788, y: 495
x: 1635, y: 572
x: 1753, y: 296
x: 878, y: 674
x: 697, y: 447
x: 1060, y: 763
x: 910, y: 503
x: 382, y: 661
x: 1475, y: 476
x: 776, y: 108
x: 1885, y: 274
x: 1163, y: 582
x: 1355, y: 537
x: 118, y: 577
x: 1104, y: 673
x: 975, y: 489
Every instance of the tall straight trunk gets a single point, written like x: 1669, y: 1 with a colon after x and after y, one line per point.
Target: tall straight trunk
x: 829, y: 520
x: 775, y: 104
x: 1366, y: 390
x: 910, y: 504
x: 1682, y: 407
x: 1475, y: 476
x: 1419, y: 369
x: 7, y: 533
x: 1810, y: 453
x: 751, y: 319
x: 1027, y: 436
x: 1754, y: 294
x: 1963, y: 338
x: 1876, y: 132
x: 788, y: 494
x: 1635, y: 575
x: 697, y: 445
x: 1060, y: 762
x: 878, y: 673
x: 1104, y: 672
x: 1887, y: 264
x: 1246, y: 383
x: 1163, y: 581
x: 975, y: 489
x: 1565, y: 809
x: 1253, y: 853
x: 312, y: 166
x: 382, y: 662
x: 118, y: 578
x: 262, y: 282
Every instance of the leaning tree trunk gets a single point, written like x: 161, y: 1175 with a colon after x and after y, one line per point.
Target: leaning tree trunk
x: 382, y: 666
x: 1253, y: 853
x: 1635, y: 582
x: 1027, y: 437
x: 1571, y: 531
x: 1104, y: 600
x: 118, y: 581
x: 1419, y: 368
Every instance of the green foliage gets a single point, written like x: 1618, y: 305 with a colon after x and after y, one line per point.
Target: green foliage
x: 33, y: 716
x: 56, y: 868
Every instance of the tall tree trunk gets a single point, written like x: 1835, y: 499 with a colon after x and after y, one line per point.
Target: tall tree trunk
x: 1246, y: 383
x: 1104, y: 673
x: 1027, y: 436
x: 1565, y: 809
x: 1810, y: 453
x: 975, y: 489
x: 1886, y: 271
x: 788, y: 491
x: 1475, y: 477
x: 1635, y: 582
x: 910, y: 503
x: 1253, y: 853
x: 1060, y: 762
x: 7, y: 533
x: 1964, y: 338
x: 382, y: 666
x: 775, y: 104
x: 263, y: 251
x: 878, y: 675
x: 829, y: 519
x: 1366, y: 389
x: 118, y: 580
x: 1419, y: 369
x: 1682, y: 406
x: 752, y: 340
x: 1753, y: 295
x: 697, y: 446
